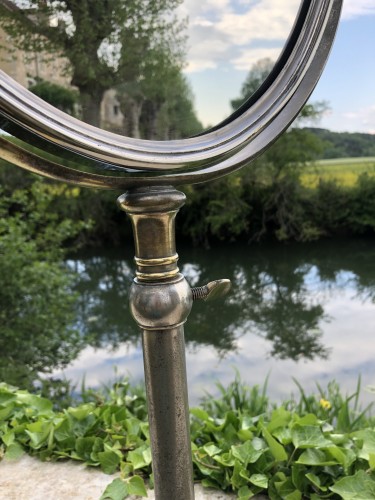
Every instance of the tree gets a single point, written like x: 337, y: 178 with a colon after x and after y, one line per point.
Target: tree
x: 37, y: 331
x: 93, y: 36
x: 60, y: 97
x: 256, y: 76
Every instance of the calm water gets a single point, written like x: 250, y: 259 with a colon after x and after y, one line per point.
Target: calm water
x: 304, y: 311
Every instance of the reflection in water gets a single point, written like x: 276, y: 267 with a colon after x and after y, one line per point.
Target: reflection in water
x: 268, y: 298
x: 288, y: 304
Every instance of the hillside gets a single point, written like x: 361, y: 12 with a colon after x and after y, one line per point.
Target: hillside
x: 345, y: 144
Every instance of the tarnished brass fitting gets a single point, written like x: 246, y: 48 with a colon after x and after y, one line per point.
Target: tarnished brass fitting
x: 163, y: 305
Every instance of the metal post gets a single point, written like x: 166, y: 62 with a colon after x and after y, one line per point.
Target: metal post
x: 160, y: 301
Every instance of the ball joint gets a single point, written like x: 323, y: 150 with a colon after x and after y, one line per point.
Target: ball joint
x: 163, y: 305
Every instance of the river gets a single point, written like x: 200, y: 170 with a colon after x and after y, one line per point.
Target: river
x: 303, y: 311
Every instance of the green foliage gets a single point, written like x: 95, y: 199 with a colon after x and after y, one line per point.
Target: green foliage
x: 345, y: 144
x: 36, y: 298
x: 60, y: 97
x: 242, y: 443
x: 104, y: 43
x: 256, y: 76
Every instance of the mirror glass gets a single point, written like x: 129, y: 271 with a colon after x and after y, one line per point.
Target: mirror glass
x: 150, y: 69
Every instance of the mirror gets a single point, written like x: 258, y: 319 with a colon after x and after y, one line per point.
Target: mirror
x: 146, y: 69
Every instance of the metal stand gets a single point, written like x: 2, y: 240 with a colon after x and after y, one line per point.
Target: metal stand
x: 160, y: 301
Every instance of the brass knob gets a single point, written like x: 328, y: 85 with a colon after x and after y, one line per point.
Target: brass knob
x: 213, y: 290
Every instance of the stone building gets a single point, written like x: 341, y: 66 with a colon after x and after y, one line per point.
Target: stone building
x: 26, y: 68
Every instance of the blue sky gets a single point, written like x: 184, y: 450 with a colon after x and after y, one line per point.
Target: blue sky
x: 226, y: 37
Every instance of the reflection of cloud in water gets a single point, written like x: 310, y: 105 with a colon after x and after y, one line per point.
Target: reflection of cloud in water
x: 353, y: 353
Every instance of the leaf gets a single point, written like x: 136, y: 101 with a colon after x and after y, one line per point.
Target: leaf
x: 315, y: 480
x: 371, y: 460
x: 299, y: 476
x: 139, y: 458
x: 309, y: 436
x: 117, y: 490
x: 84, y: 447
x: 14, y: 452
x: 309, y: 419
x: 244, y: 493
x: 238, y: 480
x: 279, y: 418
x: 276, y: 448
x: 8, y: 438
x: 211, y: 449
x: 109, y: 461
x: 344, y: 456
x: 199, y: 413
x: 246, y: 453
x: 287, y: 490
x: 38, y: 433
x: 357, y: 487
x: 260, y: 480
x: 137, y: 486
x: 315, y: 457
x: 226, y: 459
x: 283, y: 434
x: 41, y: 405
x: 368, y: 437
x: 6, y: 412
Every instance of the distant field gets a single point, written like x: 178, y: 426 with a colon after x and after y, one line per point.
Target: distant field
x: 344, y: 171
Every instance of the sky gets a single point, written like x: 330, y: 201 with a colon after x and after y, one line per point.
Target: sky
x: 226, y: 37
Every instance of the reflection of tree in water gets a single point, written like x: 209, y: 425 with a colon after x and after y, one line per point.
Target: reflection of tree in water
x: 103, y: 306
x: 268, y: 298
x: 272, y: 296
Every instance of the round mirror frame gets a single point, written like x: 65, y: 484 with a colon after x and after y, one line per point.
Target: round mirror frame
x: 221, y: 150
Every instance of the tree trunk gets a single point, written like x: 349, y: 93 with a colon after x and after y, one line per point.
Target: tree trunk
x: 132, y: 109
x: 91, y: 103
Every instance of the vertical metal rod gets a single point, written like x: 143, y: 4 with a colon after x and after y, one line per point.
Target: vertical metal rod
x: 160, y: 302
x: 167, y: 395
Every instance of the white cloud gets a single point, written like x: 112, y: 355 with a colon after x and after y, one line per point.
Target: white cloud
x: 251, y: 56
x: 229, y: 32
x: 363, y: 119
x: 236, y: 31
x: 356, y: 8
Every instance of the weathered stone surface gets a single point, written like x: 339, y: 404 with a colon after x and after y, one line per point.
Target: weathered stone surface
x: 31, y: 479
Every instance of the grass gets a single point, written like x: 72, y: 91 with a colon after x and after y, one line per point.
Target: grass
x: 344, y: 171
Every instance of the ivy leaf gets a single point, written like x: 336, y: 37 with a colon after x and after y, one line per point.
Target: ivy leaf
x: 117, y: 490
x: 260, y: 480
x: 109, y: 461
x: 357, y: 487
x: 14, y: 452
x: 371, y: 460
x: 6, y: 412
x: 286, y: 489
x: 315, y: 457
x: 38, y: 433
x: 244, y: 493
x: 137, y: 486
x: 246, y: 453
x: 199, y: 413
x: 41, y: 405
x: 368, y: 437
x: 139, y: 458
x: 309, y: 436
x: 315, y: 480
x: 276, y: 448
x: 211, y: 449
x: 280, y: 418
x: 344, y: 456
x: 84, y: 447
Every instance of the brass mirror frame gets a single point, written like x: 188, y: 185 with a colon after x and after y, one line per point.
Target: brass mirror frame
x: 227, y: 147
